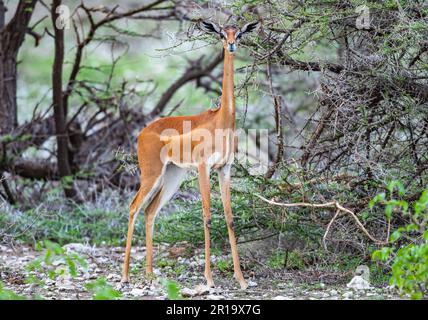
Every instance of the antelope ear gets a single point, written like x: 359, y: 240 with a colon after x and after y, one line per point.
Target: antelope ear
x: 249, y: 27
x: 209, y: 26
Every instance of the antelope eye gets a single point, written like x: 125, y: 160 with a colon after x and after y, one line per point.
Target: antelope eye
x: 222, y: 36
x: 238, y: 36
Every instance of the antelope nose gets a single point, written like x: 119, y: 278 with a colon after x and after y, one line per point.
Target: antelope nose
x: 231, y: 46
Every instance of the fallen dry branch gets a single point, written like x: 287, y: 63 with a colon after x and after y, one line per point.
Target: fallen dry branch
x: 339, y: 209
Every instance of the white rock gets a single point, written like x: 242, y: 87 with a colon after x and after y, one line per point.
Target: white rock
x: 202, y: 289
x: 347, y: 295
x: 102, y: 260
x: 182, y: 276
x: 113, y: 277
x: 65, y: 285
x: 252, y: 284
x: 201, y: 262
x: 137, y: 292
x: 363, y: 271
x: 333, y: 292
x: 78, y: 247
x: 359, y: 283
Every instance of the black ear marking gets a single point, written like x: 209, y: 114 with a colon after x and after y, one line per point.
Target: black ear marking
x: 249, y: 27
x: 209, y: 26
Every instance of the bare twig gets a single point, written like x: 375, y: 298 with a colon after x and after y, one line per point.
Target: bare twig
x: 339, y: 208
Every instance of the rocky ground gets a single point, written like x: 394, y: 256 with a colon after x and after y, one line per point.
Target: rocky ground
x: 182, y: 264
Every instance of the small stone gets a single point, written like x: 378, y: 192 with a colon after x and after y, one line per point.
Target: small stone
x: 252, y: 284
x: 182, y: 276
x: 333, y: 292
x: 65, y: 285
x: 347, y: 295
x: 137, y: 292
x: 113, y: 277
x: 102, y: 260
x: 78, y: 248
x: 363, y: 271
x: 187, y: 292
x: 201, y: 262
x: 202, y: 289
x: 359, y: 283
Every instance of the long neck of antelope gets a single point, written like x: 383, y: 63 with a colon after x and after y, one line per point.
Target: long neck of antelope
x: 227, y: 108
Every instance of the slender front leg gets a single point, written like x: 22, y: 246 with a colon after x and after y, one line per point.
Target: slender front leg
x: 204, y: 186
x: 224, y: 179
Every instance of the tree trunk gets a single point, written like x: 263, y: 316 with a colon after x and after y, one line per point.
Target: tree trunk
x: 11, y: 38
x: 59, y: 114
x: 3, y: 110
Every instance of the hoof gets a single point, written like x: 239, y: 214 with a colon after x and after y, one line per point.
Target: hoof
x: 243, y: 284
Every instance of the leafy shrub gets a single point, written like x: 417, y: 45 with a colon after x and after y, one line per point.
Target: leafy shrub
x: 407, y: 253
x: 6, y: 294
x: 172, y: 289
x: 280, y: 260
x: 54, y: 253
x: 102, y: 290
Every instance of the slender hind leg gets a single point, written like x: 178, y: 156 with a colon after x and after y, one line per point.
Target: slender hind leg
x: 171, y: 182
x: 134, y: 209
x: 224, y: 178
x: 150, y: 185
x: 204, y: 186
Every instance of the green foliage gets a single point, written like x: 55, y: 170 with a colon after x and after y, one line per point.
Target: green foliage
x: 172, y: 289
x: 278, y: 260
x: 224, y: 265
x: 6, y: 294
x: 407, y: 253
x: 97, y: 223
x: 54, y: 255
x: 101, y: 290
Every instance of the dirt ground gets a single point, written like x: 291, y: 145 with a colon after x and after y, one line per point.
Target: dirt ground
x: 183, y: 265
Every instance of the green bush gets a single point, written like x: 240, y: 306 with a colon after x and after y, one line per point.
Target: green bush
x: 53, y: 252
x: 407, y: 253
x: 172, y: 289
x: 9, y: 294
x: 102, y: 290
